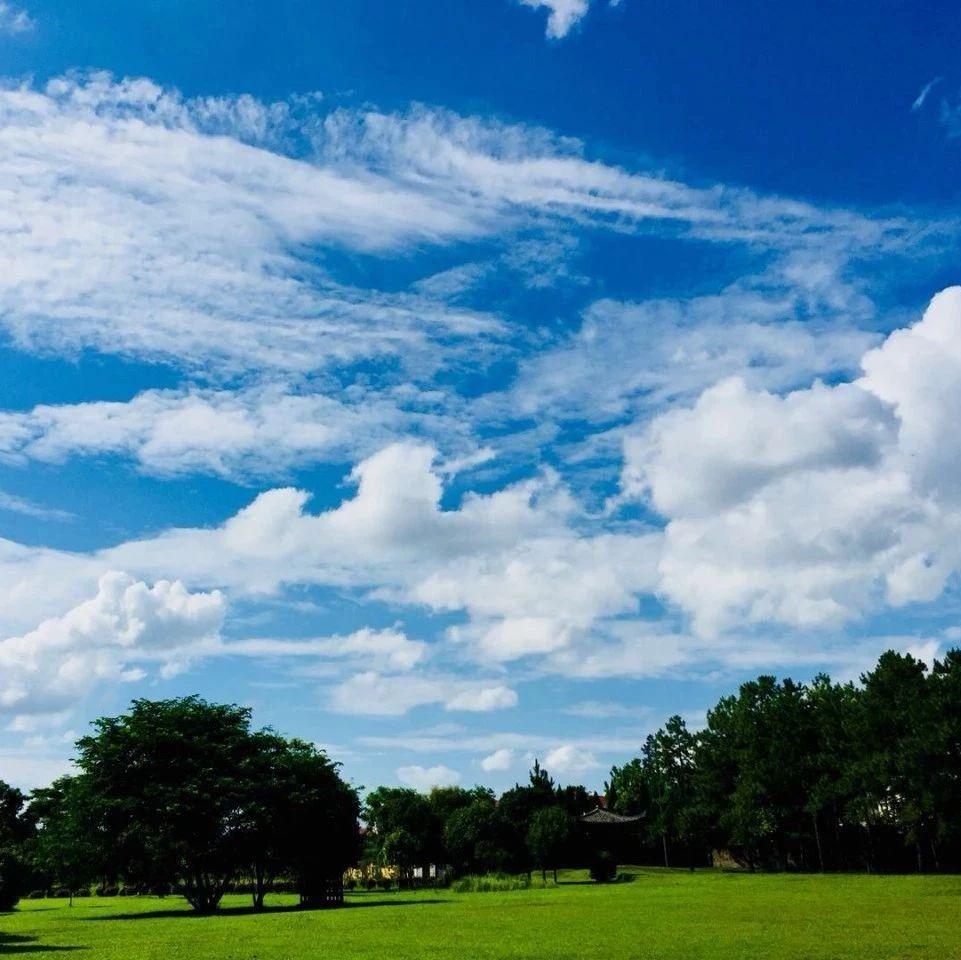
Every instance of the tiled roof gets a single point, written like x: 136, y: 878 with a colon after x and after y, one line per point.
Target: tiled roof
x: 597, y: 815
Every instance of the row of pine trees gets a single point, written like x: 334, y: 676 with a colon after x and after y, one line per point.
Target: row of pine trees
x: 819, y: 776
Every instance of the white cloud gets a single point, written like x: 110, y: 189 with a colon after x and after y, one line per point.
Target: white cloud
x: 570, y: 760
x: 562, y: 14
x: 922, y: 97
x: 811, y: 508
x: 376, y: 649
x: 27, y: 770
x: 513, y: 174
x: 14, y: 20
x: 423, y: 778
x: 106, y: 638
x: 262, y: 430
x: 374, y: 694
x: 483, y: 699
x: 191, y: 231
x: 27, y: 508
x: 604, y: 709
x: 502, y: 759
x: 515, y: 561
x: 631, y: 358
x: 180, y: 234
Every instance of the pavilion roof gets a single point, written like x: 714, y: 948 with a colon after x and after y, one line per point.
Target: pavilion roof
x: 598, y: 815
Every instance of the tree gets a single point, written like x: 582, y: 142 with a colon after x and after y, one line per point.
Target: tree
x: 476, y: 838
x: 298, y: 816
x: 171, y: 781
x: 893, y: 775
x: 406, y: 832
x: 15, y: 832
x: 318, y: 834
x: 945, y: 714
x: 668, y: 769
x: 547, y: 838
x: 517, y: 807
x: 68, y: 848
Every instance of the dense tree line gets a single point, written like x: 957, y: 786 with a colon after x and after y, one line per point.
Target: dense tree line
x: 819, y: 776
x: 531, y: 826
x: 183, y: 795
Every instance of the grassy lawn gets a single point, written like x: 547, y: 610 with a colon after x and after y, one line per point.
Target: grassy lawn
x: 669, y: 914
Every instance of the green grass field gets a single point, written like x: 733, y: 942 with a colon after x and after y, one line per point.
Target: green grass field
x: 663, y: 914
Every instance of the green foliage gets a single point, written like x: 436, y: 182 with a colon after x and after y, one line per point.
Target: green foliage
x: 548, y: 836
x: 15, y: 833
x: 806, y: 777
x: 492, y: 883
x: 69, y: 848
x: 182, y: 792
x: 405, y: 830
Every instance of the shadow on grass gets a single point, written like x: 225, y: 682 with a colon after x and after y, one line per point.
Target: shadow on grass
x: 12, y: 943
x: 186, y: 914
x: 621, y: 878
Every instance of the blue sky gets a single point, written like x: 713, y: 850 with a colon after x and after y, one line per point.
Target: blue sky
x: 462, y: 383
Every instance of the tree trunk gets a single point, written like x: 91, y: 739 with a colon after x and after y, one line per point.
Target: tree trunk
x: 817, y: 840
x: 259, y: 886
x: 555, y: 876
x: 664, y: 845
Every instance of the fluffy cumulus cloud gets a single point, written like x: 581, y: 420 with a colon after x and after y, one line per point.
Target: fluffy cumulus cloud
x: 812, y: 507
x: 423, y: 778
x: 562, y: 15
x: 499, y: 760
x: 570, y: 760
x: 110, y: 637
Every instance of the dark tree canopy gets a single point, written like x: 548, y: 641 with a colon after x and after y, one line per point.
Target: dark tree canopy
x: 818, y: 776
x: 186, y: 793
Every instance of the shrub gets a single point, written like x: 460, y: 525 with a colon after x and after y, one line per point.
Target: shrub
x: 369, y: 883
x: 350, y: 883
x: 491, y: 883
x: 386, y: 883
x: 603, y: 869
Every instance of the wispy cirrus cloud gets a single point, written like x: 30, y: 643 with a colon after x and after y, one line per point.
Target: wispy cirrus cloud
x: 27, y: 508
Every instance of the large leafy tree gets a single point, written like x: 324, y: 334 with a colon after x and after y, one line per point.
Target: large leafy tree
x: 405, y: 829
x: 172, y: 781
x: 183, y: 792
x: 70, y: 849
x: 299, y: 817
x: 15, y: 831
x: 478, y: 838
